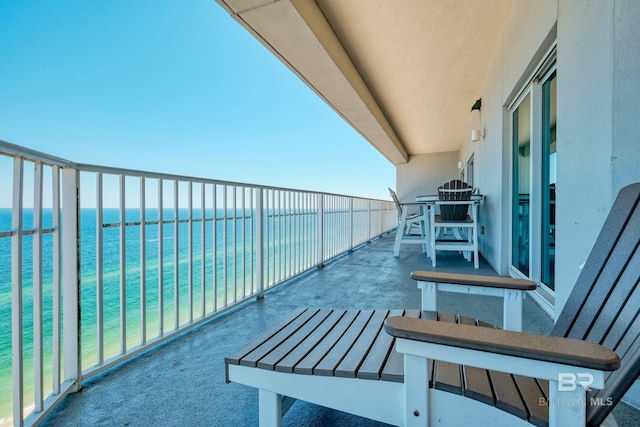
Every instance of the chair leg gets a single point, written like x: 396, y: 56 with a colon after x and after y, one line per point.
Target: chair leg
x: 400, y: 233
x: 416, y: 380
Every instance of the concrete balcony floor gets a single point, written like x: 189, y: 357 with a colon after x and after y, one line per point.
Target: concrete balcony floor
x: 182, y: 383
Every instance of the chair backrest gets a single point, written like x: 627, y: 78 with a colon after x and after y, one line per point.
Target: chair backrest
x: 394, y: 196
x: 454, y: 190
x: 604, y: 305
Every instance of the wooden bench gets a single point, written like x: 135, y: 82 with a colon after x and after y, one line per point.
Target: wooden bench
x: 353, y: 344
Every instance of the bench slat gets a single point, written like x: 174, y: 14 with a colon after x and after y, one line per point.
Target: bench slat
x: 355, y: 357
x: 394, y: 368
x: 270, y: 360
x: 371, y: 368
x: 309, y: 344
x: 235, y: 357
x: 307, y: 365
x: 329, y: 363
x: 265, y: 348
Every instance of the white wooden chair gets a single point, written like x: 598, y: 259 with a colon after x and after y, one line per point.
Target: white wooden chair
x: 420, y: 368
x: 455, y: 228
x: 412, y: 227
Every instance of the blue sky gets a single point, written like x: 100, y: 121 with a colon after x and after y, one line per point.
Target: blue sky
x: 171, y: 86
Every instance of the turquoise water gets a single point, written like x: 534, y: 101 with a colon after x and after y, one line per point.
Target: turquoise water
x: 240, y: 275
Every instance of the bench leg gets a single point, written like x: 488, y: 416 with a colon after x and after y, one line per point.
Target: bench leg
x: 270, y: 409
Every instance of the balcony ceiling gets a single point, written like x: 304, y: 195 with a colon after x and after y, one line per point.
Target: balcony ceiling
x: 403, y: 73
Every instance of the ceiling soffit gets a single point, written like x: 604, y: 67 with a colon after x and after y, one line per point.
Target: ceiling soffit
x: 403, y: 73
x: 299, y: 35
x: 423, y: 60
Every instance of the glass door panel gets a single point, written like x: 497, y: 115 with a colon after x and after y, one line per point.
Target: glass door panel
x: 521, y: 140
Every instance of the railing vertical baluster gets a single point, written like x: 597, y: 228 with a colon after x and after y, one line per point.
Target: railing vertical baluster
x: 99, y: 273
x: 203, y: 251
x: 252, y: 246
x: 224, y: 245
x: 270, y: 237
x: 280, y: 260
x: 37, y: 290
x: 176, y: 254
x: 143, y: 263
x: 244, y: 248
x: 351, y: 223
x: 123, y: 267
x: 259, y: 242
x: 55, y: 222
x: 160, y: 258
x: 320, y: 254
x: 214, y: 239
x: 190, y: 250
x: 70, y: 275
x: 234, y: 263
x: 369, y: 220
x: 16, y: 290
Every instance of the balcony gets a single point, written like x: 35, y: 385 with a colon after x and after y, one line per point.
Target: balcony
x: 142, y: 329
x: 182, y: 383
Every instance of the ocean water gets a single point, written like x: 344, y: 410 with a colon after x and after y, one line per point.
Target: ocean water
x: 234, y: 281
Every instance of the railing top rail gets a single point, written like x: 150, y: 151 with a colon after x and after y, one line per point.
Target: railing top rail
x: 17, y: 150
x: 166, y: 176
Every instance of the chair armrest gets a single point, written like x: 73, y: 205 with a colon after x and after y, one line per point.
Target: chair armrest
x: 565, y: 351
x: 474, y: 280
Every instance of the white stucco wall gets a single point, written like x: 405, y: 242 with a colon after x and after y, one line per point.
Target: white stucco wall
x: 523, y: 43
x: 423, y: 174
x: 584, y: 193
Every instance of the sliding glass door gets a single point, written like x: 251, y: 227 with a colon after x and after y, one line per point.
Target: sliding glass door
x: 533, y: 183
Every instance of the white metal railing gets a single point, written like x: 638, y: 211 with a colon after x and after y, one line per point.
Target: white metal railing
x: 143, y: 256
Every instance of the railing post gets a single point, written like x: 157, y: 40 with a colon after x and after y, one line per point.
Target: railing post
x: 320, y: 257
x: 16, y: 291
x: 369, y: 220
x: 350, y: 223
x: 260, y: 243
x: 70, y: 276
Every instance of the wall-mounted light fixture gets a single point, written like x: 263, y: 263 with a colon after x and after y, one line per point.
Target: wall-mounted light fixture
x: 477, y: 132
x: 459, y: 165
